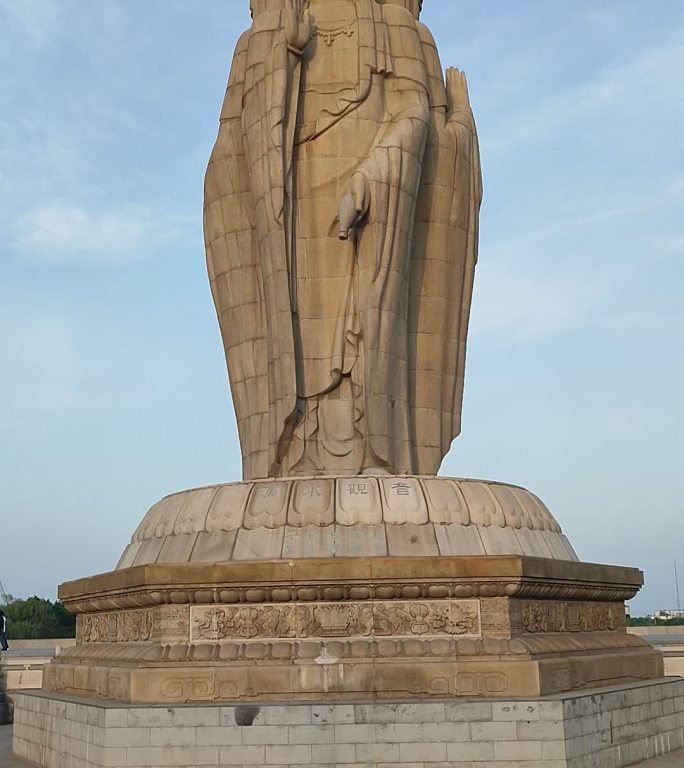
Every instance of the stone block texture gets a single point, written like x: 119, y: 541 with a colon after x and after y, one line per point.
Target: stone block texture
x: 608, y: 728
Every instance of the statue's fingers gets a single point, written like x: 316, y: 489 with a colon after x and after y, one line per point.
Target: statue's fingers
x: 359, y: 191
x: 466, y: 92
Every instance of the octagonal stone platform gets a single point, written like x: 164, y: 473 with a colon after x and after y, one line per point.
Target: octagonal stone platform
x: 332, y: 588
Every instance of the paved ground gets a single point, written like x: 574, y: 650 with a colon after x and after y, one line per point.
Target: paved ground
x: 7, y: 760
x: 663, y: 639
x: 673, y: 760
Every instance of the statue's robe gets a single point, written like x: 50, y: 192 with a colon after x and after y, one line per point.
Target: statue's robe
x: 304, y: 315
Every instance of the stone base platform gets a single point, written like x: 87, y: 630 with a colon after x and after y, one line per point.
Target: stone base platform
x: 605, y: 728
x: 351, y: 628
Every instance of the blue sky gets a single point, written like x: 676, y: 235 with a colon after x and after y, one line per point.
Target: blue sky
x: 112, y: 380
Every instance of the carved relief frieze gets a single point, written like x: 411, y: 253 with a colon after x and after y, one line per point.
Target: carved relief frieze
x: 380, y: 619
x: 571, y: 617
x: 160, y: 624
x: 384, y: 618
x: 115, y: 627
x: 228, y: 621
x: 335, y: 620
x: 439, y: 617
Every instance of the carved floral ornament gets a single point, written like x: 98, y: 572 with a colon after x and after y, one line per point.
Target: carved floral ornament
x: 329, y: 35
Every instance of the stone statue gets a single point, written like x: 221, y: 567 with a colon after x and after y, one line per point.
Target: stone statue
x: 341, y: 227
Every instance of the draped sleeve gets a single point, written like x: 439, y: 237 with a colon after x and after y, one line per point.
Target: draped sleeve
x: 234, y: 274
x: 442, y: 272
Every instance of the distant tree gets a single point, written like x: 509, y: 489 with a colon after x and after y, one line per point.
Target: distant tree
x: 65, y: 619
x: 647, y: 621
x: 640, y: 621
x: 37, y: 618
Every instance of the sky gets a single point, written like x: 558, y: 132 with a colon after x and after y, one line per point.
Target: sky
x: 113, y: 388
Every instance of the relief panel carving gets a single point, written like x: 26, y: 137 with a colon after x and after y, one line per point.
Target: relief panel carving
x: 381, y: 619
x: 159, y: 624
x: 115, y: 627
x: 248, y: 622
x: 571, y: 617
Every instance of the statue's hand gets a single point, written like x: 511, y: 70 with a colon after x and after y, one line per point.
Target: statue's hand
x: 360, y: 189
x: 354, y: 206
x: 458, y: 99
x: 297, y: 24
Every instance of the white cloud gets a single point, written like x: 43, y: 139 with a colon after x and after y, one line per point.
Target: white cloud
x: 642, y: 86
x: 64, y: 232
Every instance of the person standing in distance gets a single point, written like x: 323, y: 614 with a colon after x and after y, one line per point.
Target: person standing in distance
x: 3, y: 632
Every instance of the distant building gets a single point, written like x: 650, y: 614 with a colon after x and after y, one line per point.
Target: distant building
x: 674, y: 613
